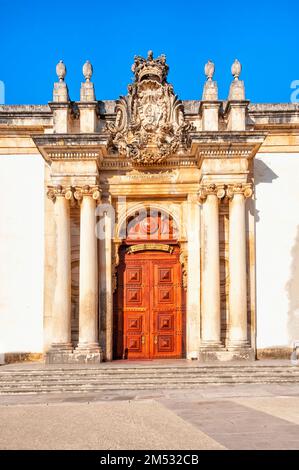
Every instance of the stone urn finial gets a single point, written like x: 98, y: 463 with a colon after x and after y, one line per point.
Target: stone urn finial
x: 87, y: 71
x: 236, y: 69
x: 61, y: 71
x: 209, y: 70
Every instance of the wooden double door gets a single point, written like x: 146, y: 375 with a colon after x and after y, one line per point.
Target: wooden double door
x: 149, y: 307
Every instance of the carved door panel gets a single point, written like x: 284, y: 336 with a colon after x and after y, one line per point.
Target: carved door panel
x: 148, y: 310
x: 166, y: 311
x: 136, y: 308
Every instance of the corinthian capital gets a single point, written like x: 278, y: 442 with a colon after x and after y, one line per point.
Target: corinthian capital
x: 239, y: 188
x: 87, y: 191
x: 212, y: 188
x: 54, y: 192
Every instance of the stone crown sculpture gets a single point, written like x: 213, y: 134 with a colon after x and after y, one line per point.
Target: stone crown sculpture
x: 150, y: 124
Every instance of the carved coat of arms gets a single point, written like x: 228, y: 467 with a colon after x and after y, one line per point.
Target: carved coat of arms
x: 150, y: 124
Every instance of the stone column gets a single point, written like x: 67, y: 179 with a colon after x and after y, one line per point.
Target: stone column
x: 191, y: 264
x: 109, y: 293
x: 106, y: 214
x: 88, y: 290
x: 237, y: 329
x: 61, y: 317
x: 210, y: 294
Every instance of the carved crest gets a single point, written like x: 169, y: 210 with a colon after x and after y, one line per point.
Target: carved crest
x: 150, y: 123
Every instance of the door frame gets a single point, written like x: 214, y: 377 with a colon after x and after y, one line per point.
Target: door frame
x: 170, y: 246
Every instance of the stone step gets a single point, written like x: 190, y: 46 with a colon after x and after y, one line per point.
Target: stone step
x: 157, y: 371
x: 104, y: 367
x: 74, y: 386
x: 108, y: 387
x: 18, y: 378
x: 91, y: 379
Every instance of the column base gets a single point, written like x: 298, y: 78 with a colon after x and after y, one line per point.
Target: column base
x: 90, y: 353
x: 81, y: 355
x: 59, y: 353
x: 61, y: 347
x: 210, y: 345
x: 237, y: 344
x: 88, y: 347
x: 223, y: 355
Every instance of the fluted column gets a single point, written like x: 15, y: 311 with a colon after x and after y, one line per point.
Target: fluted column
x: 88, y: 288
x: 237, y: 329
x: 210, y: 308
x: 61, y: 319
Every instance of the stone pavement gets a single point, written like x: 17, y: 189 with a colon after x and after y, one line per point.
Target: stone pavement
x: 209, y: 417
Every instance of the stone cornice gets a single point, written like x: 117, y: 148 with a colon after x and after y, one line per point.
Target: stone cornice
x: 224, y: 144
x: 68, y: 147
x: 235, y: 103
x: 184, y: 161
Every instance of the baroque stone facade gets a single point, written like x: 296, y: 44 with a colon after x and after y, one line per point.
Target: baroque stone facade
x: 149, y: 174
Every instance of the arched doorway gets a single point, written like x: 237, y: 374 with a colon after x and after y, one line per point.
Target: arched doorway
x: 149, y: 304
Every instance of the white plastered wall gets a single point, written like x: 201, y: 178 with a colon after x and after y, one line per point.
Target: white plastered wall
x: 21, y: 253
x: 277, y: 249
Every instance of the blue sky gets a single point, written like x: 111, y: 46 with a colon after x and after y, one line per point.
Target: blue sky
x: 35, y: 35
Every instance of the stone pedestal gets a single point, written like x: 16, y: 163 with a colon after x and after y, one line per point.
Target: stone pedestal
x: 241, y: 354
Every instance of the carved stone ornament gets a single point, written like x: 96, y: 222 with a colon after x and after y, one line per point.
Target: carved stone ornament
x: 212, y: 188
x: 60, y: 191
x: 61, y: 71
x: 184, y: 263
x: 150, y: 124
x: 90, y: 191
x: 236, y: 69
x: 239, y: 188
x: 87, y: 71
x: 209, y: 70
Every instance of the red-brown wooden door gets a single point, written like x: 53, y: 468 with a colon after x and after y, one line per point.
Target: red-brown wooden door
x: 148, y: 320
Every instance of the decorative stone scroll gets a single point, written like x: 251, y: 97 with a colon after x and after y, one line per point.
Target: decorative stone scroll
x: 150, y: 124
x: 149, y: 246
x: 239, y: 188
x: 115, y: 263
x: 91, y: 191
x: 215, y: 189
x: 60, y: 191
x: 184, y: 264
